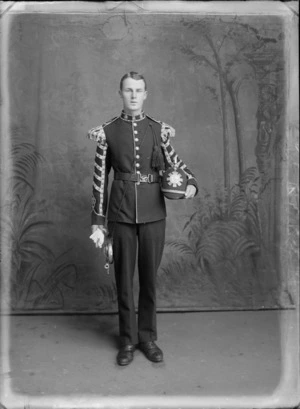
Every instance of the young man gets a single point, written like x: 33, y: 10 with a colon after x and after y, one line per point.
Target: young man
x: 138, y: 149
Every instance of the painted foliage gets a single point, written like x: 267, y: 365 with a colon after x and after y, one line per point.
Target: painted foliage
x: 221, y: 82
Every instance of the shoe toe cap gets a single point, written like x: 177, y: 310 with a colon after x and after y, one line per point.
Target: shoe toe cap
x: 157, y: 356
x: 124, y: 357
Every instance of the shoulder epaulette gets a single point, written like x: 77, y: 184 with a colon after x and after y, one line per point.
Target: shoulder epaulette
x: 97, y: 134
x: 166, y: 130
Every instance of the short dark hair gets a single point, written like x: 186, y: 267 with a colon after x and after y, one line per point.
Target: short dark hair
x: 134, y: 75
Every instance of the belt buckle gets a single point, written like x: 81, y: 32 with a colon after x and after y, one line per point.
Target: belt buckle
x: 150, y: 178
x: 144, y: 178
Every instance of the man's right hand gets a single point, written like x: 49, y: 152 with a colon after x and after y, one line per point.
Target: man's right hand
x: 98, y: 235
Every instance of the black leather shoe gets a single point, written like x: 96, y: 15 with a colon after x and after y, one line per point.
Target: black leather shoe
x: 151, y: 350
x: 125, y: 354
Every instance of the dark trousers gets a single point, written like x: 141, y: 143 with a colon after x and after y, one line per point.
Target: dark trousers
x: 146, y: 239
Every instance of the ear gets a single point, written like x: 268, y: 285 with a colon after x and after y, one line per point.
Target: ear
x: 145, y: 95
x: 120, y: 93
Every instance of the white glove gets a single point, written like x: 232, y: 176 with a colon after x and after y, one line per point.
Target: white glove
x: 190, y: 191
x: 98, y: 237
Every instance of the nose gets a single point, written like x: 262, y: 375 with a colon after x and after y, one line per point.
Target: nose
x: 133, y: 95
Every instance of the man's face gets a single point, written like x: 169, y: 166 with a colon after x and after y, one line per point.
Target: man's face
x: 133, y: 94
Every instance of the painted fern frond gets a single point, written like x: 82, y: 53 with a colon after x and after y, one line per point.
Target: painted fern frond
x: 219, y: 240
x: 248, y: 175
x: 180, y: 247
x: 242, y: 245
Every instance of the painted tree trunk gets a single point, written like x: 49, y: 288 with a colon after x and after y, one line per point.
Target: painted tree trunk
x: 238, y: 127
x: 226, y: 155
x: 268, y: 164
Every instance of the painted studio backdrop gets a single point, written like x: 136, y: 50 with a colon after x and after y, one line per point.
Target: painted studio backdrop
x: 219, y: 81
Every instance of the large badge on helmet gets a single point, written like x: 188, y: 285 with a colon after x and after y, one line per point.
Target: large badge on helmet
x: 174, y: 183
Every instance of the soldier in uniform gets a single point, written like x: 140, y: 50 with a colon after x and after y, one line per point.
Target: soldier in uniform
x: 138, y: 148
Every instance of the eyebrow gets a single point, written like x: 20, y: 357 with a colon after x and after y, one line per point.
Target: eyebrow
x: 131, y: 89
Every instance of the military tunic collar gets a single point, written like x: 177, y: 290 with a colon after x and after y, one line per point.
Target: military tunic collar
x: 128, y: 117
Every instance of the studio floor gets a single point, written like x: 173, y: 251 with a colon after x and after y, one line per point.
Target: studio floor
x: 205, y: 353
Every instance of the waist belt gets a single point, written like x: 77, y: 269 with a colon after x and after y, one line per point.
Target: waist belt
x: 137, y: 177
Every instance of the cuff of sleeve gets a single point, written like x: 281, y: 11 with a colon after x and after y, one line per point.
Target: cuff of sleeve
x: 193, y: 182
x: 95, y: 219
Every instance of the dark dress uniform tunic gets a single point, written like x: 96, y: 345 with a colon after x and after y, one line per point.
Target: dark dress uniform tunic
x: 136, y: 211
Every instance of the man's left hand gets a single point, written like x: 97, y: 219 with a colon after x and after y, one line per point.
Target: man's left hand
x: 190, y: 191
